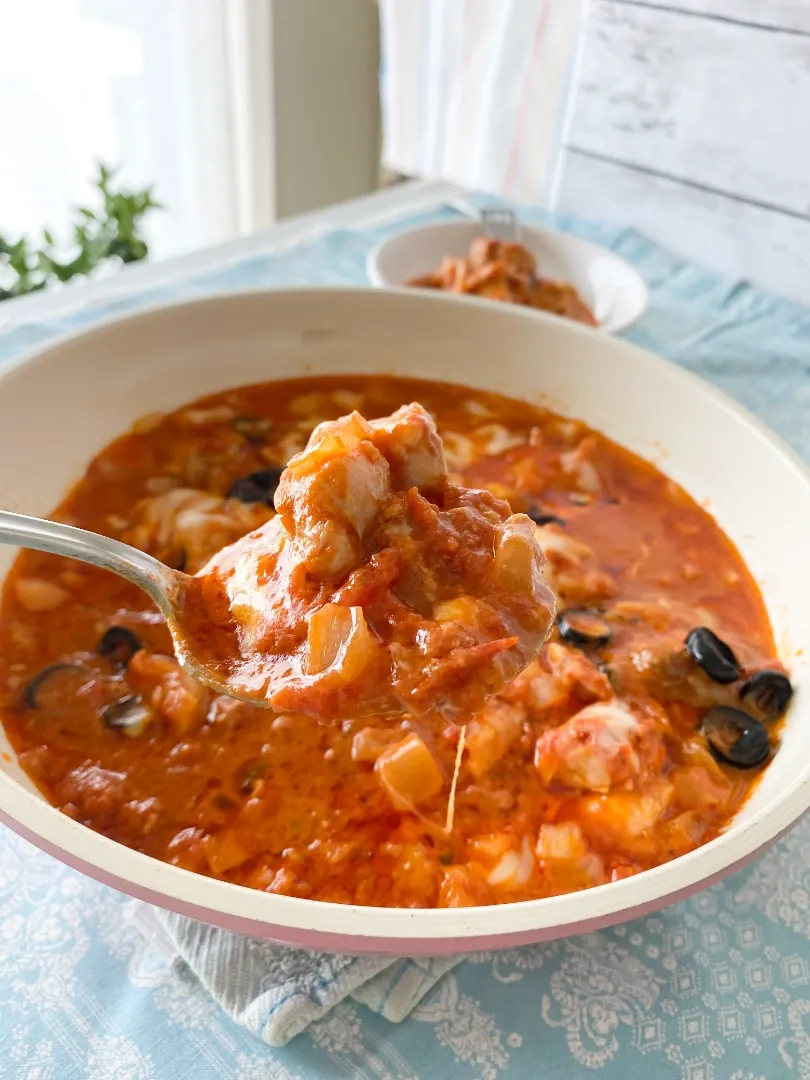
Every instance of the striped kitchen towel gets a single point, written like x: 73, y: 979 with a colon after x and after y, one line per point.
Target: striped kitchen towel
x: 480, y: 92
x: 277, y: 992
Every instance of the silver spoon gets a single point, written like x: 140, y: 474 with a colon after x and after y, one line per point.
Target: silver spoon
x: 500, y: 225
x: 164, y: 585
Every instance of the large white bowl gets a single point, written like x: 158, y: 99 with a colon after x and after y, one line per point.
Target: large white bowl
x: 612, y: 289
x: 61, y: 405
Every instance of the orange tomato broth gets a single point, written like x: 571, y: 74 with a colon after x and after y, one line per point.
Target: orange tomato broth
x: 283, y: 804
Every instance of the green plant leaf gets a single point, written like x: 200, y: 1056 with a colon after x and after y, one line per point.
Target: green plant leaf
x: 111, y: 232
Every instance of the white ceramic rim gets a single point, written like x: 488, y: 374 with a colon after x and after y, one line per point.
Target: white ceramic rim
x: 35, y: 819
x: 594, y: 250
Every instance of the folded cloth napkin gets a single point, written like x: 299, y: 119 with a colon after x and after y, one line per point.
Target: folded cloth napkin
x: 276, y: 992
x: 479, y: 93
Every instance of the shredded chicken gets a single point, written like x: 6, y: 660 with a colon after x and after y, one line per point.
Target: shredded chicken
x: 604, y: 745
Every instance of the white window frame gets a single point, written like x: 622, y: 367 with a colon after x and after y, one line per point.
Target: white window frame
x: 283, y: 113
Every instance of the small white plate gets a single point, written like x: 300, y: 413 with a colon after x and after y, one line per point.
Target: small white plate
x: 612, y: 289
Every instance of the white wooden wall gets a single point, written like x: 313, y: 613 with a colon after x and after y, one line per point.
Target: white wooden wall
x: 692, y: 123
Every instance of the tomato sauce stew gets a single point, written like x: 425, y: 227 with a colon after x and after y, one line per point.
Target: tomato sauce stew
x: 379, y: 588
x: 633, y: 738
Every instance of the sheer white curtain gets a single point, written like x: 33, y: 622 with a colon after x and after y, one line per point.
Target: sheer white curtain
x: 480, y: 92
x: 238, y: 111
x: 146, y: 84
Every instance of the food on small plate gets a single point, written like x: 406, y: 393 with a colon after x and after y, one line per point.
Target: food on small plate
x: 379, y: 588
x: 634, y: 735
x: 498, y: 270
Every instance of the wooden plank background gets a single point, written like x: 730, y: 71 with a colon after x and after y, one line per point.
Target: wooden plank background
x: 692, y: 122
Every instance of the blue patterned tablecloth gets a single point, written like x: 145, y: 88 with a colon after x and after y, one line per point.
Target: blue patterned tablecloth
x: 714, y: 988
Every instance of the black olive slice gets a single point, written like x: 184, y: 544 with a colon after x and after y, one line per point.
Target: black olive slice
x: 735, y: 737
x: 130, y: 715
x: 712, y: 655
x: 541, y: 518
x: 253, y: 428
x: 583, y: 626
x: 119, y: 645
x: 257, y: 487
x: 767, y: 693
x: 63, y: 678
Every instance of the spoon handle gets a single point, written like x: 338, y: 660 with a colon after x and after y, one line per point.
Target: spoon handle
x: 136, y: 566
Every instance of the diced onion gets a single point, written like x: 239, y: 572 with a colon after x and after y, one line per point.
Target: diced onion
x: 36, y: 594
x: 339, y: 642
x: 408, y: 773
x: 513, y: 868
x: 516, y: 557
x: 563, y: 841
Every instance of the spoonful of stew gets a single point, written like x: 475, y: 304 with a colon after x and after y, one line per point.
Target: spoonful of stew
x: 380, y: 587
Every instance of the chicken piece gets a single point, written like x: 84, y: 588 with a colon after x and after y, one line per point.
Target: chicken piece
x: 380, y: 587
x: 572, y: 681
x: 576, y: 675
x: 603, y: 746
x: 95, y: 794
x: 330, y: 493
x: 410, y: 443
x: 663, y: 669
x: 185, y: 527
